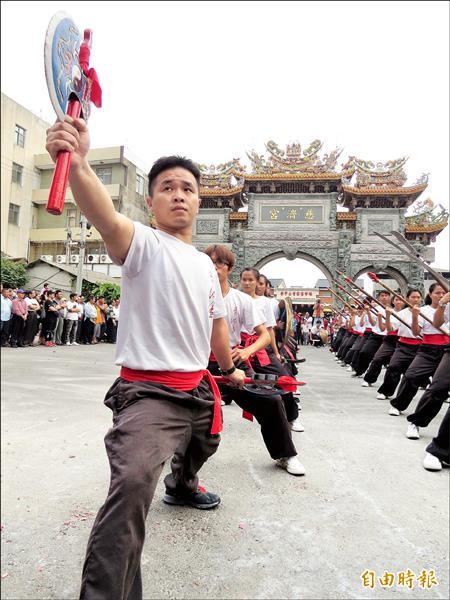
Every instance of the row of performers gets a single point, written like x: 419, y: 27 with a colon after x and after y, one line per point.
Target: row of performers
x: 251, y: 323
x: 410, y: 337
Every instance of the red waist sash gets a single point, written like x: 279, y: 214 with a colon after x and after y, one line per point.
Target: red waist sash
x: 393, y: 332
x: 410, y: 341
x: 262, y: 355
x: 436, y: 339
x: 183, y: 382
x: 368, y: 330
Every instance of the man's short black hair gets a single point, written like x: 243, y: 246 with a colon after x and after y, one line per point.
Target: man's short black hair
x: 72, y: 296
x: 169, y: 162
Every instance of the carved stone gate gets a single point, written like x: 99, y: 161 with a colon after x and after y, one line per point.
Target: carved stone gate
x: 292, y: 200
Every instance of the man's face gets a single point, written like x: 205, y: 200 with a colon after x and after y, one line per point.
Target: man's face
x: 7, y: 292
x: 80, y: 299
x: 20, y: 295
x: 384, y: 298
x: 58, y: 296
x: 175, y: 201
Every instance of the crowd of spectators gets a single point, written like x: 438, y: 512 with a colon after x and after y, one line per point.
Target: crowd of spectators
x: 48, y: 317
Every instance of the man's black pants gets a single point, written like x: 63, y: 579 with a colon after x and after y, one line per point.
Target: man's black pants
x: 382, y: 357
x: 401, y: 359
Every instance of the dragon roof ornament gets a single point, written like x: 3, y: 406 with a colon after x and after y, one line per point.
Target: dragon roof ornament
x: 390, y: 174
x: 225, y: 176
x: 424, y: 213
x: 293, y: 159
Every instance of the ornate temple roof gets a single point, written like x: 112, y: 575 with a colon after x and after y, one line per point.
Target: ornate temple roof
x: 294, y: 164
x: 222, y: 181
x: 380, y: 180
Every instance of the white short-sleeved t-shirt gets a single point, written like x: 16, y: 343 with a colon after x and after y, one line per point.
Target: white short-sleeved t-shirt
x: 241, y: 313
x: 427, y: 328
x: 72, y: 316
x: 276, y: 309
x: 361, y: 323
x: 264, y: 308
x: 169, y: 298
x: 376, y: 328
x: 406, y: 315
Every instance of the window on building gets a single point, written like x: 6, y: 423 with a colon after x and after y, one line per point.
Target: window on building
x: 13, y: 215
x: 71, y: 218
x: 17, y: 172
x: 104, y: 174
x: 36, y: 183
x: 140, y: 185
x: 19, y: 135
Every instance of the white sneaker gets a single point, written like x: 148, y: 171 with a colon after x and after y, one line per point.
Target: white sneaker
x: 381, y: 397
x: 292, y: 465
x: 394, y: 412
x: 67, y: 343
x: 366, y: 384
x: 431, y: 463
x: 349, y: 369
x: 412, y: 432
x: 297, y: 425
x: 75, y: 344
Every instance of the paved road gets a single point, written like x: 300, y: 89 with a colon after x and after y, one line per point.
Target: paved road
x: 365, y: 502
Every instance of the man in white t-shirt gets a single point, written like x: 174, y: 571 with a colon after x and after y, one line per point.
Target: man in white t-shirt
x: 164, y: 395
x: 73, y: 312
x: 268, y: 408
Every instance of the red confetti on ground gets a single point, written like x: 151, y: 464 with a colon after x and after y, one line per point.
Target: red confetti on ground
x: 241, y: 525
x: 5, y: 575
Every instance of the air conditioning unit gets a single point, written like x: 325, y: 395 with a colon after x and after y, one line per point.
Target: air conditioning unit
x: 104, y: 258
x: 47, y: 257
x: 74, y: 259
x: 92, y: 258
x: 61, y: 258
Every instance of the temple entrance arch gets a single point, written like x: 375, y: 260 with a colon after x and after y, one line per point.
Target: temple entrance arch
x: 301, y: 277
x: 291, y: 257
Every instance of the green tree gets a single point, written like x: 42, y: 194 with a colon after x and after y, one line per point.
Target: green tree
x: 13, y: 274
x: 110, y: 291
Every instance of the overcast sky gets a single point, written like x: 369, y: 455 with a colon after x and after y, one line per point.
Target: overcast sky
x: 212, y: 80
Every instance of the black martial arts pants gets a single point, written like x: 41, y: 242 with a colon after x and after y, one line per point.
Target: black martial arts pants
x: 382, y: 357
x: 352, y: 355
x: 401, y: 359
x: 434, y: 396
x: 268, y: 410
x: 366, y: 354
x: 440, y: 445
x: 337, y: 339
x: 347, y: 343
x: 418, y: 374
x: 151, y: 423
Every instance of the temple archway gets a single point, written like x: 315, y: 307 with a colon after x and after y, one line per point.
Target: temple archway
x: 387, y: 275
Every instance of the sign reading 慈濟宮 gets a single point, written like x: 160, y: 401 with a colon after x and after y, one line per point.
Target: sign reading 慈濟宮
x: 291, y: 214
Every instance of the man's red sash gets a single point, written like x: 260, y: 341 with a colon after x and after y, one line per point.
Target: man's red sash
x: 261, y: 355
x: 183, y: 382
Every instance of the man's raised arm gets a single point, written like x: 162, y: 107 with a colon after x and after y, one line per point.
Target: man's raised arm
x: 87, y: 189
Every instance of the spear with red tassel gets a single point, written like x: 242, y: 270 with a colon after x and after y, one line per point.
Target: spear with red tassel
x: 358, y: 300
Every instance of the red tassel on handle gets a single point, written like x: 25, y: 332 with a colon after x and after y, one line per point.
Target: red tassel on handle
x: 373, y: 277
x: 55, y: 204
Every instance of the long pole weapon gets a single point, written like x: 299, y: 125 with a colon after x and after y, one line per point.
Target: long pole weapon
x: 374, y: 278
x: 356, y: 286
x: 340, y: 298
x: 409, y: 250
x: 358, y: 300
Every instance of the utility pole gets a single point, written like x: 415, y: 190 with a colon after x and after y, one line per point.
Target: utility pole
x: 82, y: 246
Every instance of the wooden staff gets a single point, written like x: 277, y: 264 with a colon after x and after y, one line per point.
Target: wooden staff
x: 353, y: 284
x: 375, y: 279
x: 341, y: 299
x: 370, y: 307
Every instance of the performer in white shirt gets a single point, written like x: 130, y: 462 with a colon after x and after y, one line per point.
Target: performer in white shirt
x: 266, y: 405
x: 427, y: 359
x: 376, y: 337
x: 164, y: 394
x: 406, y: 349
x: 386, y: 350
